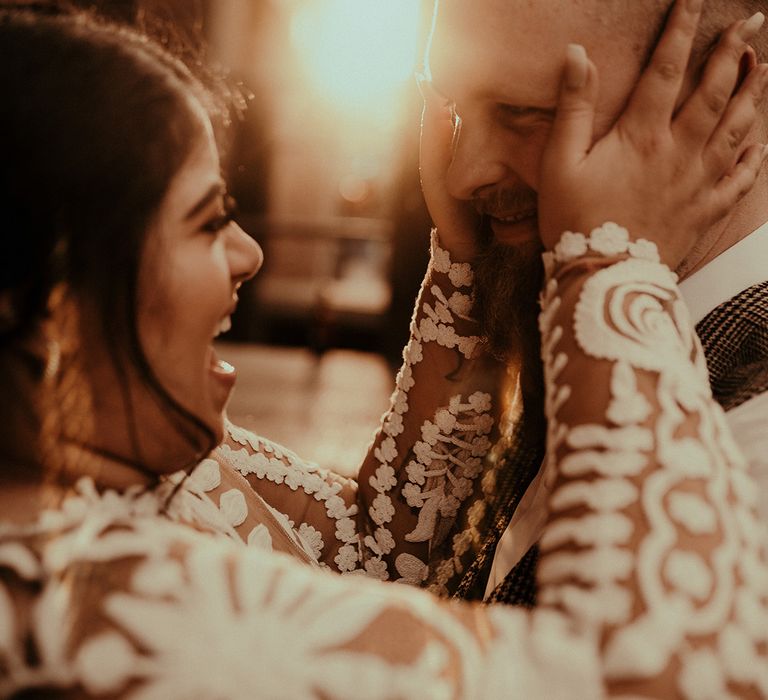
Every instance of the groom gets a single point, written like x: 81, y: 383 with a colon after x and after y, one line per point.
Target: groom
x: 498, y: 63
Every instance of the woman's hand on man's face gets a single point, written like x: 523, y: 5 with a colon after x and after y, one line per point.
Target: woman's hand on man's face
x: 457, y: 221
x: 665, y: 171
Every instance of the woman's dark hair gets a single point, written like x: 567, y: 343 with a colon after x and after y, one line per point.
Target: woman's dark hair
x: 95, y: 121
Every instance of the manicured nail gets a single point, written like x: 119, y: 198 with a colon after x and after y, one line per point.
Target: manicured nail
x: 752, y: 26
x: 577, y: 68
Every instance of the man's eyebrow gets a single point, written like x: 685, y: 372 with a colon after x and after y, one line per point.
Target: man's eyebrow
x: 501, y: 99
x: 523, y: 110
x: 216, y: 190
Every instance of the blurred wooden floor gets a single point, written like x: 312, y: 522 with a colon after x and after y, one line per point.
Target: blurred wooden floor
x: 325, y: 409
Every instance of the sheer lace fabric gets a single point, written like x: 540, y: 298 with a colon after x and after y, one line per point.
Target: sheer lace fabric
x: 424, y: 484
x: 653, y: 574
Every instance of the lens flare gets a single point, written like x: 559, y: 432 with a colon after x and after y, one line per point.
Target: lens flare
x: 357, y: 53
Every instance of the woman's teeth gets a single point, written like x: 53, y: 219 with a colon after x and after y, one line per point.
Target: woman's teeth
x: 224, y: 326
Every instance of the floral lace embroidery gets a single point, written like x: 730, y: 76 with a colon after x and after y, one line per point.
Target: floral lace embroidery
x: 445, y: 462
x: 629, y: 314
x: 449, y: 455
x: 270, y: 461
x: 232, y: 622
x: 448, y: 458
x: 653, y: 558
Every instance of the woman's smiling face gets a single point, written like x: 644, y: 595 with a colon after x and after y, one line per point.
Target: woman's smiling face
x: 196, y: 257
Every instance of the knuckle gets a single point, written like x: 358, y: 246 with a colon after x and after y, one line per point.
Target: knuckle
x: 730, y: 49
x: 736, y: 51
x: 668, y: 70
x: 647, y: 144
x: 715, y: 102
x: 734, y: 137
x: 743, y: 190
x: 733, y: 40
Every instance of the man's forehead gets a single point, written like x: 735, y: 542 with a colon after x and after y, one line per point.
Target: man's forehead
x: 497, y: 42
x: 518, y: 46
x: 471, y: 16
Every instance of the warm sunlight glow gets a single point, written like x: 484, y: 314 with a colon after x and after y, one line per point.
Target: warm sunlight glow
x: 358, y: 53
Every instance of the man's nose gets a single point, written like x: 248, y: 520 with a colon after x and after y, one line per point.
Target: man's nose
x: 477, y: 163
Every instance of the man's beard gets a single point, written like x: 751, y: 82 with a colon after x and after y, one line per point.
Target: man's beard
x: 508, y: 280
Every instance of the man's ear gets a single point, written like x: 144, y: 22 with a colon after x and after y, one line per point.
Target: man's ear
x: 747, y: 63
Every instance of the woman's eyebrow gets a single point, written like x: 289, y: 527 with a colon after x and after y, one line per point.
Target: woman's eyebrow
x: 216, y: 190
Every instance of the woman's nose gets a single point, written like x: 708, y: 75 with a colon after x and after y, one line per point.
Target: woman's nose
x: 246, y: 256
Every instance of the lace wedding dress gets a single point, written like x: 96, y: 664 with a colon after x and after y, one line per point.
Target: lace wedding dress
x: 653, y: 577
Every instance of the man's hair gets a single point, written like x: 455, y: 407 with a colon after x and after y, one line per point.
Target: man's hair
x: 644, y: 21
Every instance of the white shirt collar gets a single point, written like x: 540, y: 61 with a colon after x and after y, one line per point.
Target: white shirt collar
x: 740, y: 267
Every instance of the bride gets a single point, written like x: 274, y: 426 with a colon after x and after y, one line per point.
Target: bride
x: 150, y: 550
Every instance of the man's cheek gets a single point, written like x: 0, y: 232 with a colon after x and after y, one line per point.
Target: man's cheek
x: 537, y: 144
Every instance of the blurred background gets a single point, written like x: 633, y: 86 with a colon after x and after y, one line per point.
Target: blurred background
x: 323, y: 163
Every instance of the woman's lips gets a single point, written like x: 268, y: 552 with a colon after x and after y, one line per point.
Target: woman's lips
x: 223, y: 373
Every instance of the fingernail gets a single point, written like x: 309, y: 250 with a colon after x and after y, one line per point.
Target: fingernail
x: 752, y: 26
x: 576, y: 68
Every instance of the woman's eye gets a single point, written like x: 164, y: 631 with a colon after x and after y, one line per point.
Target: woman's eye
x: 224, y: 218
x: 217, y: 223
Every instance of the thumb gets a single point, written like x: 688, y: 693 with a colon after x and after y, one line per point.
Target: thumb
x: 455, y: 219
x: 572, y: 130
x: 437, y: 134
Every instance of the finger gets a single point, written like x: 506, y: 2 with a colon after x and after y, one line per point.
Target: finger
x: 653, y: 100
x: 740, y: 180
x: 702, y: 111
x: 740, y: 117
x: 439, y: 129
x: 572, y: 130
x: 437, y: 133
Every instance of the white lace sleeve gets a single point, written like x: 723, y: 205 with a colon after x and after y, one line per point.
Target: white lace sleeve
x: 653, y: 576
x: 425, y: 461
x: 653, y: 539
x: 146, y: 609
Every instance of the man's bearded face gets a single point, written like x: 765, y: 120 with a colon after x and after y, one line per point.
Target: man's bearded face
x: 499, y: 64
